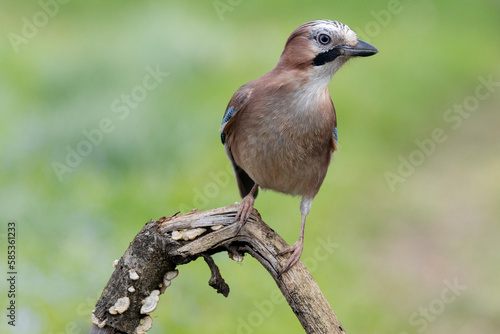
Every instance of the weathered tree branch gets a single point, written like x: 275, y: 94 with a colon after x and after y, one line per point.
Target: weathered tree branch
x: 149, y: 264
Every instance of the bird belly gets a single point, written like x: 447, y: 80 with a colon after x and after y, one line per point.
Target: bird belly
x: 290, y: 162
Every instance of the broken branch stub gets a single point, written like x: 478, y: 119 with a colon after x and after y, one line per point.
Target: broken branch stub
x: 146, y: 269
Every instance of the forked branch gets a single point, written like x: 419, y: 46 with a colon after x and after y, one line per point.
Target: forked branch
x: 150, y: 263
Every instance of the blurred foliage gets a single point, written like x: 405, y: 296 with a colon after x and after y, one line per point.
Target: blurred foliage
x: 396, y: 246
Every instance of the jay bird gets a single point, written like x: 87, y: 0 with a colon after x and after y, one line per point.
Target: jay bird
x: 279, y: 131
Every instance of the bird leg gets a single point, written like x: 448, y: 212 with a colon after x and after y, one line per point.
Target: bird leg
x: 246, y: 207
x: 297, y: 248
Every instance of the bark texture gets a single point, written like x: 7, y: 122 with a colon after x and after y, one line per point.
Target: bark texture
x: 150, y: 263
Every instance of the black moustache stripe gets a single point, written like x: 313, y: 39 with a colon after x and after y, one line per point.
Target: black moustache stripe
x: 326, y: 57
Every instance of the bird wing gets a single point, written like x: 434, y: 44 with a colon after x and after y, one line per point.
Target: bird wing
x: 335, y: 134
x: 237, y: 103
x: 235, y: 107
x: 335, y: 139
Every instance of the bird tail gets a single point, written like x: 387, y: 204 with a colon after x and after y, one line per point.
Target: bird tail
x: 245, y: 182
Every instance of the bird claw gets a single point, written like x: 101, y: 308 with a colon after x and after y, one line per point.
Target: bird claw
x: 296, y: 250
x: 244, y: 211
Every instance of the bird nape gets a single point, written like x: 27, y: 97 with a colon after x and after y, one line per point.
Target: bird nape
x: 280, y: 130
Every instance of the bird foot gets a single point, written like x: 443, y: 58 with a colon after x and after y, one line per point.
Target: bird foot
x: 296, y: 250
x: 244, y: 211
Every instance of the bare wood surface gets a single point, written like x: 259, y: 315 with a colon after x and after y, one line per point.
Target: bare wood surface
x: 161, y: 246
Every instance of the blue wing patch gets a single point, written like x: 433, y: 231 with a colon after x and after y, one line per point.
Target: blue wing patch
x: 225, y: 119
x: 228, y: 115
x: 336, y: 135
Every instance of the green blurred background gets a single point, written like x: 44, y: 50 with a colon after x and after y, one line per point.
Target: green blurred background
x: 392, y: 228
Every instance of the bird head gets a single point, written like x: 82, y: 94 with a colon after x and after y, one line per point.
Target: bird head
x: 322, y: 47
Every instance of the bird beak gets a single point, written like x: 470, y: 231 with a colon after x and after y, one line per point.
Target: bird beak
x: 363, y: 49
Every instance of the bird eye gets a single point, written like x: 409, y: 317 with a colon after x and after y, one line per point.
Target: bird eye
x: 323, y: 39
